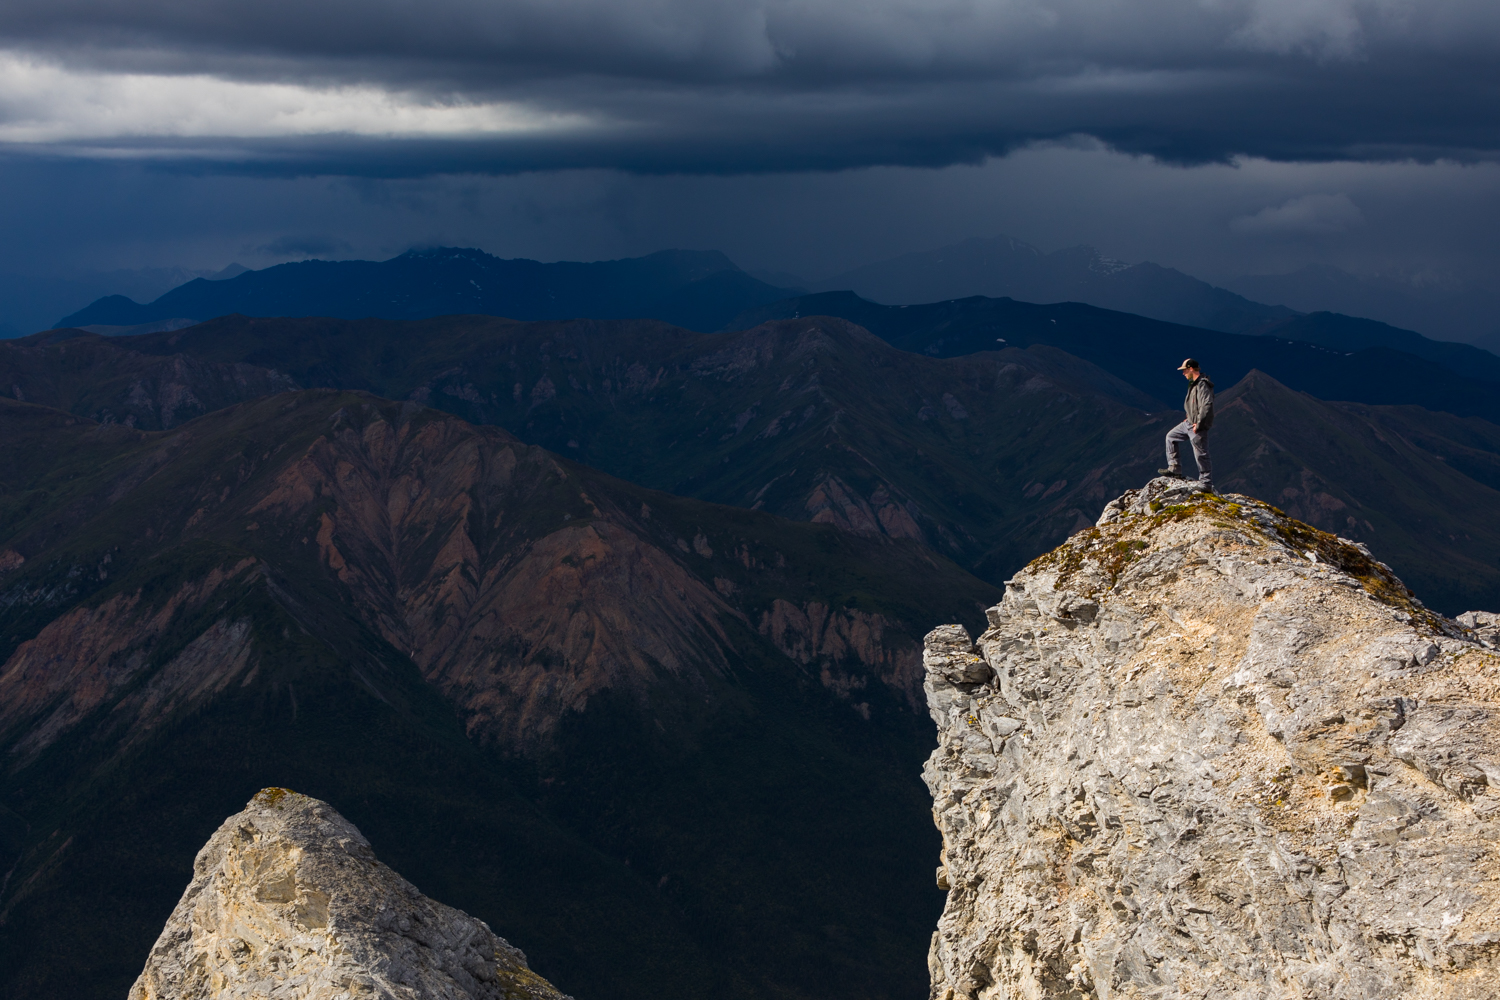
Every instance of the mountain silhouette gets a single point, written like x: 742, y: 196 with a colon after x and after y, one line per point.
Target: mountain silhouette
x: 698, y: 290
x: 1329, y: 299
x: 1332, y: 357
x: 1447, y: 307
x: 1004, y: 267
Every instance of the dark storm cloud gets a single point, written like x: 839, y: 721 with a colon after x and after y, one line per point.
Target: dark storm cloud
x: 399, y: 89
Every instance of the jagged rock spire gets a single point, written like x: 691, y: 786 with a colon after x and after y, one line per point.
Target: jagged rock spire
x: 288, y: 902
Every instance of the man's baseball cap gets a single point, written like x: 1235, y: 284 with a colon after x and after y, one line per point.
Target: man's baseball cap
x: 1188, y: 363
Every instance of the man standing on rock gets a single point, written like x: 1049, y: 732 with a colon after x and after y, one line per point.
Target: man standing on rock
x: 1199, y: 407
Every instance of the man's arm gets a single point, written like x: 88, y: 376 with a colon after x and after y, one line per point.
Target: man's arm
x: 1205, y: 403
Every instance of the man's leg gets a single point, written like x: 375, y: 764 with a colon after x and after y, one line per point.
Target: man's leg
x: 1177, y: 435
x: 1200, y: 455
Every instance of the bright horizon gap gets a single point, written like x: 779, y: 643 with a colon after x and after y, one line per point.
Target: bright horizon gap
x: 43, y: 103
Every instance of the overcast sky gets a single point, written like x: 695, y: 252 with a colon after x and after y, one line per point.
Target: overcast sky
x: 1219, y: 136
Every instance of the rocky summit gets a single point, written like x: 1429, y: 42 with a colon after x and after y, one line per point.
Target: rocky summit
x: 288, y: 902
x: 1204, y: 750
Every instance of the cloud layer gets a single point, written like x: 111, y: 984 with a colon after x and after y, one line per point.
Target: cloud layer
x: 1308, y: 215
x: 389, y: 88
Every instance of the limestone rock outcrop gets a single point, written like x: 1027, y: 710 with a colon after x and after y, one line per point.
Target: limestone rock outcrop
x: 288, y: 902
x: 1486, y: 626
x: 1206, y: 751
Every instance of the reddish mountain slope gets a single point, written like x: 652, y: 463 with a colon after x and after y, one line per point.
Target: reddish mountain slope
x: 666, y: 708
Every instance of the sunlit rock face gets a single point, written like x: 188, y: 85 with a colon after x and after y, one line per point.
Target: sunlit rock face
x: 288, y: 902
x: 1206, y: 751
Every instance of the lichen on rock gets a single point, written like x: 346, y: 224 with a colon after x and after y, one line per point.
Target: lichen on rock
x: 1204, y: 750
x: 288, y: 902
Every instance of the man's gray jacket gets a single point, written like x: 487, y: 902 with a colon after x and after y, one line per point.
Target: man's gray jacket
x: 1199, y: 404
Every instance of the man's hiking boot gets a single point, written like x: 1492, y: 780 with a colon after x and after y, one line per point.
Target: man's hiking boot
x: 1174, y: 473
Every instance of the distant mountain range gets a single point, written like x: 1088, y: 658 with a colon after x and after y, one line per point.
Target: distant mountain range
x: 1332, y: 357
x: 987, y: 453
x: 1448, y: 308
x: 32, y: 302
x: 1002, y: 267
x: 1006, y: 267
x: 705, y: 291
x: 699, y: 290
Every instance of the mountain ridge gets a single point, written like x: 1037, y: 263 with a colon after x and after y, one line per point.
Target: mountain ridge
x: 697, y: 289
x: 704, y: 290
x: 1444, y: 304
x: 1465, y: 379
x: 519, y: 675
x: 1003, y: 266
x: 986, y: 458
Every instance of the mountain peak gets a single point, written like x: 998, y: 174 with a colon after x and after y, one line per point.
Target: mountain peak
x: 1254, y: 380
x: 1211, y: 732
x: 288, y: 896
x: 445, y: 253
x: 1090, y: 259
x: 1006, y: 267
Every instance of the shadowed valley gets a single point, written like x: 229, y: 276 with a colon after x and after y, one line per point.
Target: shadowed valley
x: 566, y: 703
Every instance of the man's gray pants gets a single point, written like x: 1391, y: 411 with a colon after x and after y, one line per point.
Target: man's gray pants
x: 1184, y: 432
